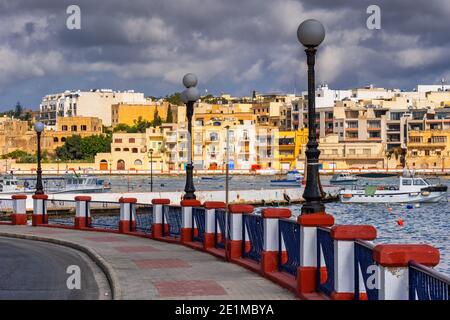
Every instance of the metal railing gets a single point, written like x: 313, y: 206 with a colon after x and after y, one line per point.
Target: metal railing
x: 6, y: 206
x: 60, y: 212
x: 198, y: 224
x: 253, y: 226
x: 325, y: 246
x: 144, y: 217
x: 365, y: 270
x: 219, y: 228
x: 427, y: 284
x: 289, y: 238
x: 105, y: 215
x: 172, y: 218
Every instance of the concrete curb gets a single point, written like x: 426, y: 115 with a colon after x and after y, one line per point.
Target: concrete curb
x: 113, y: 280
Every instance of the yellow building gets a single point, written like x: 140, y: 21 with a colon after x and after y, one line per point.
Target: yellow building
x: 129, y: 113
x: 289, y: 148
x: 69, y: 126
x: 131, y: 151
x: 428, y: 149
x: 349, y: 155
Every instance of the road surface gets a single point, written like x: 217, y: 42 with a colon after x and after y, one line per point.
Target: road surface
x: 37, y: 270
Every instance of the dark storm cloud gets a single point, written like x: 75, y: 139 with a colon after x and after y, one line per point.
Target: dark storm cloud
x: 234, y: 46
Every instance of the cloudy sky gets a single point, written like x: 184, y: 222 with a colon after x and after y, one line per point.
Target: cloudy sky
x: 234, y: 46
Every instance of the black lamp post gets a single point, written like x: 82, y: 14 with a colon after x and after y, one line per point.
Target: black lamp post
x: 39, y: 128
x: 189, y: 96
x: 151, y: 169
x: 311, y: 33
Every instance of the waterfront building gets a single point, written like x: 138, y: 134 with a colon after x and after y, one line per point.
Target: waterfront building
x: 93, y: 103
x: 336, y: 154
x: 123, y: 113
x: 69, y: 126
x: 289, y: 148
x: 428, y: 149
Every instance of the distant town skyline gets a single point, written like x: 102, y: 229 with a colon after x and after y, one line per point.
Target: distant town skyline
x: 233, y: 47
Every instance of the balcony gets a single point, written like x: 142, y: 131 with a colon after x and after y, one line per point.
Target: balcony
x: 351, y: 129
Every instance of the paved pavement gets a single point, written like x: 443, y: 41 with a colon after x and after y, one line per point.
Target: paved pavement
x: 141, y: 268
x: 37, y: 270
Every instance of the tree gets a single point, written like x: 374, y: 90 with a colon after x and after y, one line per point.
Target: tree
x: 18, y: 110
x: 121, y: 127
x: 157, y: 121
x: 92, y: 145
x: 71, y: 149
x: 169, y: 118
x: 175, y: 99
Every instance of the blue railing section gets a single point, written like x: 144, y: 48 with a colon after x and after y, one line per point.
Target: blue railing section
x: 198, y: 224
x: 365, y: 268
x: 61, y: 212
x: 144, y: 218
x: 172, y: 217
x: 326, y: 246
x: 105, y: 215
x: 289, y: 235
x: 219, y: 228
x: 254, y: 226
x: 427, y: 284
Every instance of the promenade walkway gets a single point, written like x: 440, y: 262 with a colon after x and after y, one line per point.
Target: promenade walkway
x: 141, y: 268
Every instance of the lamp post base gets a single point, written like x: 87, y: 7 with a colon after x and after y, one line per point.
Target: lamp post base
x: 189, y: 189
x: 313, y: 207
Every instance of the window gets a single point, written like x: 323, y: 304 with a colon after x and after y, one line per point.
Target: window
x: 351, y: 151
x: 126, y: 149
x: 407, y: 182
x: 419, y: 182
x: 73, y: 128
x: 427, y: 152
x: 83, y: 127
x: 117, y: 140
x: 117, y: 149
x: 63, y: 139
x: 55, y: 139
x: 64, y: 128
x: 366, y: 152
x: 138, y: 162
x: 132, y: 140
x: 134, y: 150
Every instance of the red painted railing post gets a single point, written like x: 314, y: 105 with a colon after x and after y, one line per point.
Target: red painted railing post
x: 210, y: 217
x: 269, y: 255
x: 344, y: 237
x: 157, y: 227
x: 186, y: 219
x: 39, y: 209
x: 19, y: 215
x: 234, y: 243
x: 307, y: 272
x: 82, y: 212
x: 127, y: 221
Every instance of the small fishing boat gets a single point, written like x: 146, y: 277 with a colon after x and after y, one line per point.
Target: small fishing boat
x: 70, y: 183
x: 343, y: 178
x: 293, y: 179
x: 409, y: 189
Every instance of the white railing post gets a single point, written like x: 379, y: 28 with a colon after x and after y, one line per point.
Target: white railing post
x: 158, y: 207
x: 82, y: 212
x: 210, y: 217
x: 186, y: 219
x: 234, y: 244
x: 39, y: 209
x: 127, y: 221
x: 19, y: 214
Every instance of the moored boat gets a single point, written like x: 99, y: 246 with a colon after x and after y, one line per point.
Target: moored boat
x: 293, y: 179
x: 409, y: 189
x: 343, y: 178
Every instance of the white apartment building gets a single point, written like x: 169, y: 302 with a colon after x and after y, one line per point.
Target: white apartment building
x: 92, y: 103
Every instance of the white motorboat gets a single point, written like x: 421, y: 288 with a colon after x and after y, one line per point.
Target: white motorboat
x: 293, y: 179
x: 409, y: 189
x: 52, y: 185
x: 343, y: 178
x: 267, y: 172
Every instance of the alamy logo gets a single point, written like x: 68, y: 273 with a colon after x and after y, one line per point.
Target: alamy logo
x: 372, y: 279
x: 374, y: 20
x: 74, y: 280
x: 73, y: 21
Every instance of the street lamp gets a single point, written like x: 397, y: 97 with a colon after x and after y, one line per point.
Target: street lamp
x: 189, y: 96
x: 151, y: 169
x: 39, y: 128
x: 311, y: 33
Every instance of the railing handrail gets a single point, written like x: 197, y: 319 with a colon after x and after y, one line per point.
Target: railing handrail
x: 429, y: 271
x: 326, y: 229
